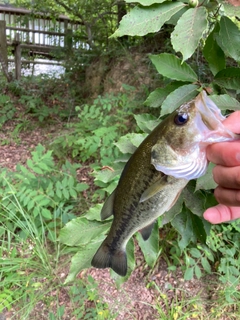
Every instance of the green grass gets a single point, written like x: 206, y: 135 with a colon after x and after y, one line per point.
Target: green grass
x: 32, y: 273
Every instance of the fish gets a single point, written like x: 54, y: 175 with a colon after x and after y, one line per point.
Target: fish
x: 156, y: 173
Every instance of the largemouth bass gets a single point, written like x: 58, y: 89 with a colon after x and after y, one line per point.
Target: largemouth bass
x: 153, y: 178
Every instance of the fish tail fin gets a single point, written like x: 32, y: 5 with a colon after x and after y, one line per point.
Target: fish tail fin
x: 117, y: 260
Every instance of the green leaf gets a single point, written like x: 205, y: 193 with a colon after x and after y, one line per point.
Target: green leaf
x: 59, y: 193
x: 190, y: 227
x: 178, y: 97
x: 46, y: 213
x: 30, y: 204
x: 65, y: 193
x: 130, y: 142
x: 182, y: 223
x: 171, y: 67
x: 94, y: 212
x: 213, y: 53
x: 225, y: 102
x: 198, y: 272
x: 73, y: 193
x: 195, y: 253
x: 107, y: 175
x: 156, y: 98
x: 188, y: 274
x: 146, y: 122
x: 206, y: 182
x: 150, y: 247
x: 82, y: 187
x: 145, y: 2
x: 228, y: 78
x: 230, y: 10
x: 206, y: 265
x: 34, y: 167
x: 194, y: 200
x: 44, y: 167
x: 82, y: 259
x: 228, y: 39
x: 143, y: 20
x: 189, y: 30
x: 81, y: 231
x: 44, y: 202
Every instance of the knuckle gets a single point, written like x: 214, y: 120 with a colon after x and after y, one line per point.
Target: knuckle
x: 215, y: 173
x: 237, y: 197
x: 217, y: 194
x: 237, y: 177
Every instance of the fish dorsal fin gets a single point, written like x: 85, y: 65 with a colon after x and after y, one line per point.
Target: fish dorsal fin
x: 153, y: 189
x: 107, y: 209
x: 146, y: 231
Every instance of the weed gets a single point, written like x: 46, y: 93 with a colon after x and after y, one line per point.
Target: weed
x: 91, y: 306
x: 7, y: 109
x: 99, y: 126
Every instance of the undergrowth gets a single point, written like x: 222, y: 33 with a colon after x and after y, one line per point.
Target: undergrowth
x: 37, y: 200
x: 100, y: 124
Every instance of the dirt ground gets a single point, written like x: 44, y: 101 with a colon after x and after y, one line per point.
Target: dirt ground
x: 145, y: 292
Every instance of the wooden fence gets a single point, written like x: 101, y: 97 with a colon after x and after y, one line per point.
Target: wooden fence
x: 35, y: 33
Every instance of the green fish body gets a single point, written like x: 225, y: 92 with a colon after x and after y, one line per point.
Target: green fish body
x: 154, y: 176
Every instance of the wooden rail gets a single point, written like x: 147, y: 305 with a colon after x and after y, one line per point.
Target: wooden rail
x: 35, y: 33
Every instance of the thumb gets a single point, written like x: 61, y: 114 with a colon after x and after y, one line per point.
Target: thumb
x: 221, y: 213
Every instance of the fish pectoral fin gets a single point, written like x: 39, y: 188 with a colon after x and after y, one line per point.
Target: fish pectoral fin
x: 153, y: 189
x: 146, y: 231
x: 107, y: 209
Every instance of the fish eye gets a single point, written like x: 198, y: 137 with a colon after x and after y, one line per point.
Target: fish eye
x: 181, y: 118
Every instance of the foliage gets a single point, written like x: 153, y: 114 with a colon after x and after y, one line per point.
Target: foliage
x: 99, y: 126
x: 224, y: 241
x: 44, y: 192
x: 7, y: 109
x: 212, y: 33
x: 36, y: 201
x: 97, y: 19
x: 88, y: 292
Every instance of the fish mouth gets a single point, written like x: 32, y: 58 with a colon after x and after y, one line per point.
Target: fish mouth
x: 208, y: 129
x: 211, y: 126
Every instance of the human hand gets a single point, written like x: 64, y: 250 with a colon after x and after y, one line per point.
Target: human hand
x: 226, y: 173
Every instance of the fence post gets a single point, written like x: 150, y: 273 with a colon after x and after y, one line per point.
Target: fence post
x: 3, y: 50
x: 68, y: 40
x: 17, y: 54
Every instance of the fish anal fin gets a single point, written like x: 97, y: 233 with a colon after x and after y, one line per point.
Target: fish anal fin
x: 105, y: 259
x: 146, y: 231
x: 107, y: 209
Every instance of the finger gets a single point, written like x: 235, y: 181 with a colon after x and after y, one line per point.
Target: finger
x: 233, y: 122
x: 224, y: 153
x: 221, y: 213
x: 229, y: 197
x: 227, y: 177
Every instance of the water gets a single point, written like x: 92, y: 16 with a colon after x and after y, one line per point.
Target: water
x: 36, y: 69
